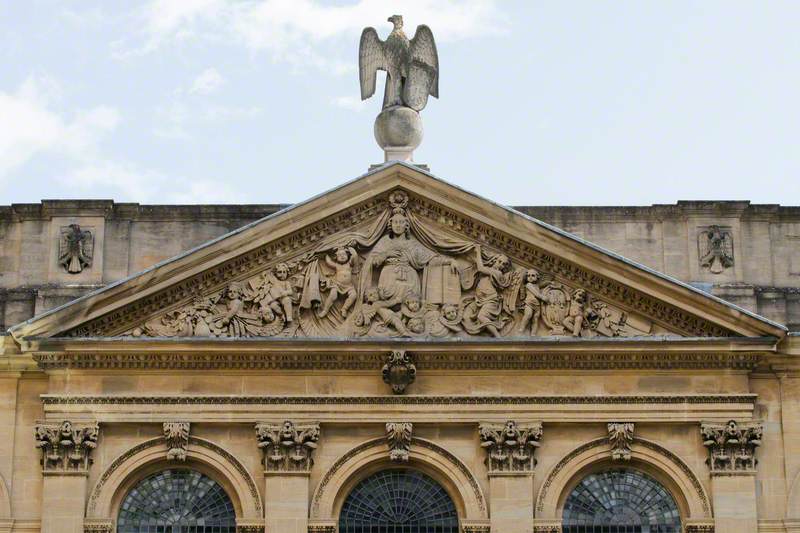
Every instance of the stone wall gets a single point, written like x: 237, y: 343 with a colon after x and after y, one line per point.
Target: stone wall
x: 757, y: 264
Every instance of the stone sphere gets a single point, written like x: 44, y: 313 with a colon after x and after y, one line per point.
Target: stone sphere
x: 398, y: 126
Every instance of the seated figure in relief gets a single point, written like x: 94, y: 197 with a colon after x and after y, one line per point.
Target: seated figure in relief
x: 275, y: 293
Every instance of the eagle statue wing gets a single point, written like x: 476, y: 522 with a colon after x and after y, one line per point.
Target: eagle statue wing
x: 423, y: 51
x: 370, y: 59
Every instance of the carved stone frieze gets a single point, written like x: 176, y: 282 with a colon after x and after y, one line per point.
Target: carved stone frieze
x: 75, y: 248
x: 620, y: 436
x: 510, y: 447
x: 249, y: 528
x: 177, y: 436
x: 288, y: 447
x: 399, y: 371
x: 731, y: 446
x: 66, y: 447
x: 476, y: 528
x: 475, y: 359
x: 98, y: 526
x: 398, y: 437
x: 321, y: 528
x: 715, y: 248
x: 699, y: 528
x: 398, y: 266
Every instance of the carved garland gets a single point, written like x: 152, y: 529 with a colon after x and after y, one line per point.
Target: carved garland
x: 463, y: 360
x: 259, y: 260
x: 119, y: 461
x: 603, y: 441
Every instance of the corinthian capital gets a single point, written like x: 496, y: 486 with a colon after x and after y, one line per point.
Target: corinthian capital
x: 510, y: 446
x: 288, y: 447
x: 66, y: 447
x: 731, y: 446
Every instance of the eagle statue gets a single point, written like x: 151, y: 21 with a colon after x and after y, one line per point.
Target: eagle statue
x: 411, y: 66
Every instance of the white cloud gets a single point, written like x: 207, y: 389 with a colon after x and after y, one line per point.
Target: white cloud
x: 126, y: 180
x: 36, y: 128
x: 174, y: 121
x: 353, y: 103
x: 207, y: 82
x: 301, y: 31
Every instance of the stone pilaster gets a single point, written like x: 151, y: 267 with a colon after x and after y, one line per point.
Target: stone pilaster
x: 288, y: 450
x: 732, y: 463
x: 66, y: 457
x: 510, y: 460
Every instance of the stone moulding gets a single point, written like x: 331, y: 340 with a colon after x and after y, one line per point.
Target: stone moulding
x: 602, y: 442
x: 97, y: 490
x: 303, y: 241
x: 57, y: 399
x: 463, y: 360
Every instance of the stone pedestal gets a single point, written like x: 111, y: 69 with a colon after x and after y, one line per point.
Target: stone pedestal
x: 511, y: 502
x: 286, y: 502
x: 63, y: 502
x: 734, y: 503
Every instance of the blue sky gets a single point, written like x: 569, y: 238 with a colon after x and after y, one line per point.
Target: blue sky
x: 542, y: 103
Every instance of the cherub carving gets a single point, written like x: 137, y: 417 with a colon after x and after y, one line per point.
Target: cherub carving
x: 495, y: 294
x: 342, y: 283
x: 532, y: 304
x: 374, y: 305
x: 574, y: 319
x: 413, y: 314
x: 275, y: 294
x: 445, y: 322
x: 235, y: 320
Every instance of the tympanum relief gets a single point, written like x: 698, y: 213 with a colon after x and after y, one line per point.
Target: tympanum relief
x: 399, y: 276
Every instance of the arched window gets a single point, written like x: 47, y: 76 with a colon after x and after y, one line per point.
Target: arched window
x: 176, y: 501
x: 398, y: 501
x: 620, y: 501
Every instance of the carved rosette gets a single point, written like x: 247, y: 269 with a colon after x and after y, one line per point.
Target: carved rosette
x: 177, y: 436
x: 731, y: 446
x: 288, y: 447
x: 399, y: 371
x: 66, y: 447
x: 620, y: 436
x: 398, y: 436
x: 510, y: 447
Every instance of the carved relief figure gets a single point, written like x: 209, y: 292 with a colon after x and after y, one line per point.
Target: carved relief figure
x: 532, y: 303
x: 495, y: 295
x: 715, y: 249
x: 75, y: 248
x: 396, y: 275
x: 275, y: 294
x: 342, y: 282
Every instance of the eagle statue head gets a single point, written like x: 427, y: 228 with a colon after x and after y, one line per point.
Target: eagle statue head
x: 397, y: 20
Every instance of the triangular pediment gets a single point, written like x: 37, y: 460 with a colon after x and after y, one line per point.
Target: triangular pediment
x: 397, y: 253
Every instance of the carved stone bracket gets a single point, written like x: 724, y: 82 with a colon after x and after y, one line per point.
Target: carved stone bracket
x: 98, y: 526
x: 699, y: 528
x: 399, y: 371
x: 288, y: 447
x: 510, y: 447
x: 620, y: 436
x: 398, y: 436
x: 731, y: 446
x: 177, y: 437
x: 66, y: 448
x: 321, y: 528
x: 476, y: 528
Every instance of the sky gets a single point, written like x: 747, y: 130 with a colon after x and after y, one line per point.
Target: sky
x: 541, y: 102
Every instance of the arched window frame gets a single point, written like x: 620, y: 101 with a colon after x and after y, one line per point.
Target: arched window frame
x: 149, y: 504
